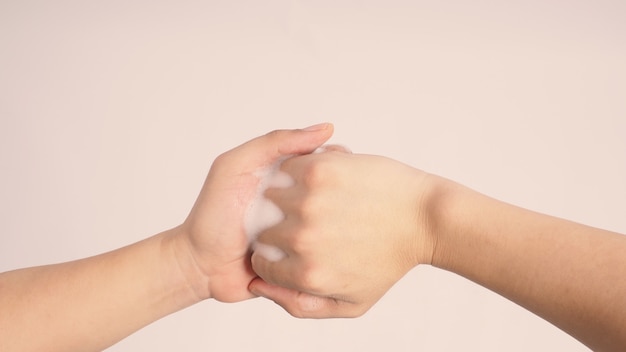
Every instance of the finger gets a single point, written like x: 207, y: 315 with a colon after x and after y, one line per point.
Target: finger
x: 315, y: 166
x: 299, y: 243
x: 286, y: 199
x: 300, y: 304
x: 279, y: 272
x: 268, y: 148
x: 298, y: 166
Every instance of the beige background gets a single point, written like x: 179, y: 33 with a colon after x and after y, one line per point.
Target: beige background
x: 112, y: 111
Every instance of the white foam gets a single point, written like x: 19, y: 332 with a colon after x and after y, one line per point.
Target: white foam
x: 262, y: 213
x: 269, y: 252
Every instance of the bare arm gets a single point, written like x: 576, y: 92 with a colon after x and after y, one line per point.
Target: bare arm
x: 570, y: 274
x: 89, y: 304
x: 361, y: 227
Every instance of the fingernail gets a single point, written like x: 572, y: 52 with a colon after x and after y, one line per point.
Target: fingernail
x: 318, y: 127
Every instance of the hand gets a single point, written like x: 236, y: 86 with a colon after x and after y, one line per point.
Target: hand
x: 354, y: 225
x: 213, y: 235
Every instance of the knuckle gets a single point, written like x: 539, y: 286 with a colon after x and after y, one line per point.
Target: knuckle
x: 307, y: 304
x: 313, y: 280
x: 273, y: 134
x: 274, y: 138
x: 317, y: 172
x: 220, y: 159
x: 303, y: 242
x: 299, y: 243
x: 358, y: 311
x: 296, y: 313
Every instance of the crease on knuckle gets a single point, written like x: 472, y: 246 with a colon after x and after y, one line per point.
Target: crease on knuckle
x: 307, y: 304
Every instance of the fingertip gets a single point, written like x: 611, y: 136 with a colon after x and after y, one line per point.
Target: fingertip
x: 261, y: 288
x: 264, y: 150
x: 311, y: 138
x: 256, y: 287
x: 324, y: 134
x: 320, y: 127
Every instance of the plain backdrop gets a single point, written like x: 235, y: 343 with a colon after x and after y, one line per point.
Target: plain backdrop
x: 111, y: 113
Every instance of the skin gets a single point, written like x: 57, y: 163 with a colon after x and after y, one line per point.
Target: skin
x: 355, y: 224
x: 89, y: 304
x: 338, y: 264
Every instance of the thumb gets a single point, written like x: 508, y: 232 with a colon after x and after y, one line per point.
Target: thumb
x: 299, y: 304
x: 268, y: 148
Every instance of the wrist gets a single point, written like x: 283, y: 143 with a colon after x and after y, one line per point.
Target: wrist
x: 455, y: 214
x: 182, y: 267
x: 425, y: 193
x: 436, y: 222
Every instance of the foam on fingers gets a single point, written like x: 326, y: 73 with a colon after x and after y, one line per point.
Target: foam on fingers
x: 263, y: 213
x: 269, y: 252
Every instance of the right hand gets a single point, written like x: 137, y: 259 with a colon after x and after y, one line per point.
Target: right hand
x: 354, y: 225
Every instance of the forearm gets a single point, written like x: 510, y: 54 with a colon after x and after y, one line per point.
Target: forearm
x: 89, y: 304
x: 567, y: 273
